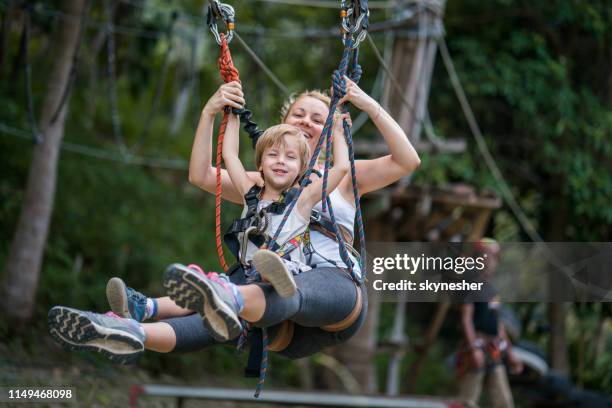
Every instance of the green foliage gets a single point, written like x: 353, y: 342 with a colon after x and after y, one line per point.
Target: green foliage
x: 540, y: 101
x: 536, y: 74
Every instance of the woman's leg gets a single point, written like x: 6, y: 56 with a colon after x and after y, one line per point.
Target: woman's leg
x: 179, y: 334
x: 307, y: 341
x: 324, y: 296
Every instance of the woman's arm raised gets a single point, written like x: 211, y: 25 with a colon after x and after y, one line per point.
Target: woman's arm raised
x: 377, y: 173
x: 201, y: 172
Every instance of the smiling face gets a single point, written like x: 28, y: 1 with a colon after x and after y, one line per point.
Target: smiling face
x: 281, y: 155
x: 308, y: 113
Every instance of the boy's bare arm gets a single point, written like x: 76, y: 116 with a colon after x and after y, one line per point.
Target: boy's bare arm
x: 239, y: 176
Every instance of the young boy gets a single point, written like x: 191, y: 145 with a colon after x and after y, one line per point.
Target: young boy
x: 281, y: 157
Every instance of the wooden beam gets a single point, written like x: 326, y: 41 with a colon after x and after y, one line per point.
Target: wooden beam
x: 376, y: 149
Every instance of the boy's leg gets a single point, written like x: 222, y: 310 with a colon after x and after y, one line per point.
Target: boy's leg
x: 277, y: 271
x: 129, y: 303
x: 218, y: 301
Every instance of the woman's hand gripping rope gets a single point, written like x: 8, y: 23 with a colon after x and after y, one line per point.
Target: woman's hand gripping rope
x: 229, y: 94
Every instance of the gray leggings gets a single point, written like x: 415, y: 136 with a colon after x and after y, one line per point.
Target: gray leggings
x: 324, y: 296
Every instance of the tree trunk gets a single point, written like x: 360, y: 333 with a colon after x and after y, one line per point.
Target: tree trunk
x: 25, y: 257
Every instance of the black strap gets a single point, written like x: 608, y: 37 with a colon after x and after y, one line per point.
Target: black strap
x: 251, y: 199
x: 255, y: 353
x: 317, y: 219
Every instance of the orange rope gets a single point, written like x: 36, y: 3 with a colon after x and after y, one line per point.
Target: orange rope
x: 229, y: 73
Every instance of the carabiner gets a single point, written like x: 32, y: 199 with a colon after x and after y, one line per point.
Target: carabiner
x: 222, y: 11
x: 354, y: 22
x: 245, y: 243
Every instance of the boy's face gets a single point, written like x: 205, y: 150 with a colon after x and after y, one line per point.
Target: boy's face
x: 308, y: 114
x: 281, y: 164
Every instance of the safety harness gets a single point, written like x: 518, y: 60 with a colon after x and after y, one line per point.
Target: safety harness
x: 254, y: 225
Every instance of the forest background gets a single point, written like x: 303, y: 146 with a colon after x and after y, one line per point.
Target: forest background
x: 537, y: 75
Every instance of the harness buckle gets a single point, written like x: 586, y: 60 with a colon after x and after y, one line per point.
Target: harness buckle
x: 315, y: 216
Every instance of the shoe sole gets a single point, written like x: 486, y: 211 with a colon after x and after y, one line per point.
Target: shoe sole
x: 189, y: 291
x: 117, y: 298
x: 76, y: 332
x: 271, y: 267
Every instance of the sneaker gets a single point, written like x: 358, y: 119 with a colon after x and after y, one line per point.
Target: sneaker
x: 119, y: 339
x: 272, y: 268
x: 212, y: 296
x: 125, y: 301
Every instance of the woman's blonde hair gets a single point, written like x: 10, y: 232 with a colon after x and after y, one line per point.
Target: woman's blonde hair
x: 320, y: 95
x: 275, y: 137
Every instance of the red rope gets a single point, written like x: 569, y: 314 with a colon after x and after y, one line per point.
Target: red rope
x: 229, y: 73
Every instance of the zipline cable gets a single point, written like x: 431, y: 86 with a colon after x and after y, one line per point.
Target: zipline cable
x: 390, y: 75
x: 331, y: 4
x: 112, y: 79
x: 24, y: 43
x: 161, y: 82
x: 102, y: 154
x: 492, y: 165
x: 75, y: 61
x: 263, y: 66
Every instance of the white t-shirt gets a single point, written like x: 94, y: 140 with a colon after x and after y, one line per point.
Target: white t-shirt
x: 325, y: 248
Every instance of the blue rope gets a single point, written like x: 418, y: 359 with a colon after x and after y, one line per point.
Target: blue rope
x: 355, y: 75
x: 325, y: 135
x: 339, y: 85
x: 263, y: 369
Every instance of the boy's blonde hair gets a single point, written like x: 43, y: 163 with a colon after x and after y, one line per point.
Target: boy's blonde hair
x: 275, y: 137
x: 320, y: 95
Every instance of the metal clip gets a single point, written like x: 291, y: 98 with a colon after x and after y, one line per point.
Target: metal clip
x: 354, y: 22
x: 245, y: 243
x: 315, y: 216
x: 225, y: 12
